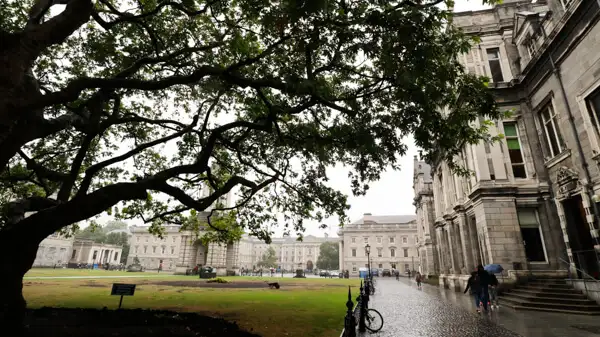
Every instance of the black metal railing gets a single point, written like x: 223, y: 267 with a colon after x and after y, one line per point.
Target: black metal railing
x: 355, y: 314
x: 581, y: 275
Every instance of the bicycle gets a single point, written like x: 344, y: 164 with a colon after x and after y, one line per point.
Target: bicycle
x: 373, y: 319
x: 371, y: 283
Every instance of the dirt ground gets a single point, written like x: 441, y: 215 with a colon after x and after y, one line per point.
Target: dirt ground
x: 53, y: 322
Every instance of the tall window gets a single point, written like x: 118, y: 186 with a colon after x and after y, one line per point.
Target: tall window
x: 551, y: 130
x: 392, y: 252
x: 392, y: 239
x: 116, y: 256
x: 154, y: 249
x: 379, y: 252
x: 172, y: 250
x: 145, y: 249
x: 493, y: 55
x: 162, y: 250
x: 532, y: 235
x: 593, y: 105
x: 353, y: 240
x: 353, y: 252
x: 530, y: 45
x: 514, y: 150
x: 404, y: 239
x: 405, y: 252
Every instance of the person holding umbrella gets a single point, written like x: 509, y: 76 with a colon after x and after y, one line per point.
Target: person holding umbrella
x: 493, y: 269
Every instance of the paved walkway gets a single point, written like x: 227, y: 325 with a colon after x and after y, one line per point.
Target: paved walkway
x: 410, y: 312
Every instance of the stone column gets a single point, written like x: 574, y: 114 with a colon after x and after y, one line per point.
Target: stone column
x: 466, y: 242
x: 474, y: 239
x: 458, y: 249
x: 441, y: 249
x: 451, y: 248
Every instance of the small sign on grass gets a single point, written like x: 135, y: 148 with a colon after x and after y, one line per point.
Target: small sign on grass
x: 122, y: 289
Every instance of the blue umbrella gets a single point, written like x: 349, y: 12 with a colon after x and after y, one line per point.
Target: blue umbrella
x: 493, y: 268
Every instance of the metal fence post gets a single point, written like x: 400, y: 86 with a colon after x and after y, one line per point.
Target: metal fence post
x: 349, y: 322
x: 362, y: 327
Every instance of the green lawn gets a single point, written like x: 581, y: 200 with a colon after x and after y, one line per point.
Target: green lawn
x: 302, y: 307
x: 48, y: 272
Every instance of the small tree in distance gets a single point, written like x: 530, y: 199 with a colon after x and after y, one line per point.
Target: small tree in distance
x: 329, y: 256
x: 268, y: 259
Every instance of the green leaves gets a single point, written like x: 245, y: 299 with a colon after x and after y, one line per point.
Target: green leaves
x: 280, y: 92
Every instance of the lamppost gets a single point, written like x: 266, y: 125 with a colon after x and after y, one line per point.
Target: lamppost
x: 368, y: 251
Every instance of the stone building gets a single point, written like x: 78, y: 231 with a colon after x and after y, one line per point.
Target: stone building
x: 182, y: 250
x: 392, y: 240
x: 529, y: 203
x: 424, y: 204
x: 55, y: 250
x: 90, y: 252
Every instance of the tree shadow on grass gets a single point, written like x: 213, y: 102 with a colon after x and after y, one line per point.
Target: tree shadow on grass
x: 58, y: 322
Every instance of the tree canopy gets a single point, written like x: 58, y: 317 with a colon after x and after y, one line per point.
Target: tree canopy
x: 140, y: 103
x: 268, y: 259
x: 329, y: 256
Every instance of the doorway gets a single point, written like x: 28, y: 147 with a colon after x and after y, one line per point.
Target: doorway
x: 580, y: 238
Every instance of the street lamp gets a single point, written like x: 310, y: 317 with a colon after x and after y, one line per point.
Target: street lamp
x: 368, y: 251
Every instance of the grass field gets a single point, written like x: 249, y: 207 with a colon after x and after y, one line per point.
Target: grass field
x: 311, y: 307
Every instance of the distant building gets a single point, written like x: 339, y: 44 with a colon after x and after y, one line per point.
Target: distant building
x: 179, y: 251
x: 54, y: 250
x: 90, y: 252
x: 392, y: 240
x: 424, y: 204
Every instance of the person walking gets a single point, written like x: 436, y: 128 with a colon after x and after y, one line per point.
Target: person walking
x: 474, y: 284
x: 484, y: 281
x: 418, y: 278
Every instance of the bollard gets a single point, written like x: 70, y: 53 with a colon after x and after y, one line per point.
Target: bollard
x: 349, y: 322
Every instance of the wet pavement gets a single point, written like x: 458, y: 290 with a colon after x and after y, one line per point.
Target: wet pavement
x: 432, y: 311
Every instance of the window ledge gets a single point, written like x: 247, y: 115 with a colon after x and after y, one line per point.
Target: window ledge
x: 558, y: 158
x: 538, y: 262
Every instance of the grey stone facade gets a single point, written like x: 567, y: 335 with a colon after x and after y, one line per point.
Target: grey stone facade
x: 424, y: 205
x: 530, y: 203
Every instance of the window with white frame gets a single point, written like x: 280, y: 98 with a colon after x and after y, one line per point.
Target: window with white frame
x: 404, y: 239
x: 493, y: 55
x: 353, y: 252
x: 511, y: 134
x: 529, y: 43
x: 392, y: 239
x: 354, y: 267
x: 379, y: 252
x: 380, y: 266
x: 366, y: 240
x: 554, y: 142
x: 533, y: 240
x: 593, y: 105
x: 353, y: 240
x: 405, y: 252
x: 392, y: 252
x: 379, y: 239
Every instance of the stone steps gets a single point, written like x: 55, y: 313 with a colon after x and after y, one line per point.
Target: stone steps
x: 552, y: 295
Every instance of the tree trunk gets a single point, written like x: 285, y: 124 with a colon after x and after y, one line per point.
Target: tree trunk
x: 18, y: 253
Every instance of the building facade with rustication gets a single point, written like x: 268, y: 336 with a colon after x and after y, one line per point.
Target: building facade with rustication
x: 425, y: 221
x: 531, y: 202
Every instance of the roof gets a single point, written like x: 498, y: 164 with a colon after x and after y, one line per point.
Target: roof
x: 386, y: 219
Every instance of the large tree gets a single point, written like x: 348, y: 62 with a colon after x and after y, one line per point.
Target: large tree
x: 257, y: 95
x: 329, y: 256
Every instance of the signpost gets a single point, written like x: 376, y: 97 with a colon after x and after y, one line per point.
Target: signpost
x: 122, y: 289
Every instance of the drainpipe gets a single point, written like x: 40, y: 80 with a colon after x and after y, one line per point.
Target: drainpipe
x: 563, y: 92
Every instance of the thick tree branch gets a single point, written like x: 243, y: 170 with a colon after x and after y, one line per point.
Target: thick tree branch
x: 60, y: 27
x: 41, y: 171
x: 94, y: 169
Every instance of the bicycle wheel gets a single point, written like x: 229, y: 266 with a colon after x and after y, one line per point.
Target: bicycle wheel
x: 373, y: 320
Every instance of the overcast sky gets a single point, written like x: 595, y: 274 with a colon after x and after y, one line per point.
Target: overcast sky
x: 392, y: 195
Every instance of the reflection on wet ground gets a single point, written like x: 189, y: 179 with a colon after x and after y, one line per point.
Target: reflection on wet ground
x: 432, y: 311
